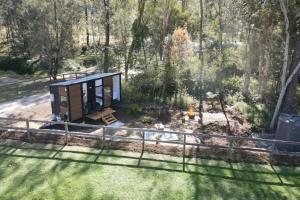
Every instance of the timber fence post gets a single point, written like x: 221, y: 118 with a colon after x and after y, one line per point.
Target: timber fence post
x: 103, y: 137
x: 143, y: 145
x: 230, y: 148
x: 27, y: 130
x: 183, y: 153
x: 66, y: 132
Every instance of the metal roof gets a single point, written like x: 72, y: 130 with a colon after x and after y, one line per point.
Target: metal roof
x: 84, y: 79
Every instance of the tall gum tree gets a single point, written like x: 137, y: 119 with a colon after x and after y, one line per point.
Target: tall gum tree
x: 288, y: 84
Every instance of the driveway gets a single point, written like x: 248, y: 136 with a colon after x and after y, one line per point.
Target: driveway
x: 36, y: 107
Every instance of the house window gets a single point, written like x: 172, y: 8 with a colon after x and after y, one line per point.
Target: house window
x: 63, y: 101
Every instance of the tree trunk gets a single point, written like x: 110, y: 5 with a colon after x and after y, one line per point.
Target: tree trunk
x: 294, y: 74
x: 145, y: 54
x: 288, y: 91
x: 56, y: 50
x: 248, y: 67
x: 287, y: 42
x: 264, y: 80
x: 93, y: 36
x: 106, y: 46
x: 87, y: 24
x: 201, y: 57
x: 289, y: 100
x: 261, y: 66
x: 129, y: 63
x: 221, y: 33
x: 184, y: 4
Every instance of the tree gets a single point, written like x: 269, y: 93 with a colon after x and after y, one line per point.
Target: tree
x: 107, y: 28
x: 180, y: 52
x: 201, y: 57
x: 295, y: 66
x: 139, y: 32
x: 86, y: 13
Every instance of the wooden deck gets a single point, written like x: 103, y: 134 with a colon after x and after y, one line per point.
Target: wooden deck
x: 106, y: 116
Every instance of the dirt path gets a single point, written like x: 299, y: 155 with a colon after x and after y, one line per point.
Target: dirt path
x: 8, y: 80
x: 36, y: 107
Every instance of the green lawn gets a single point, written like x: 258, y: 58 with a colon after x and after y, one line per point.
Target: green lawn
x: 54, y: 172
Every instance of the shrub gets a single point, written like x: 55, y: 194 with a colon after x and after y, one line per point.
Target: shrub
x: 88, y: 60
x: 234, y: 99
x: 18, y: 65
x: 232, y: 85
x: 135, y: 108
x: 147, y: 120
x: 259, y: 115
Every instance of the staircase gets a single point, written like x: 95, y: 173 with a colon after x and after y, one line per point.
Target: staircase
x: 109, y: 119
x: 106, y: 116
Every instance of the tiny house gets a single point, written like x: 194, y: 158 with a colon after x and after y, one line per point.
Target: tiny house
x: 75, y: 99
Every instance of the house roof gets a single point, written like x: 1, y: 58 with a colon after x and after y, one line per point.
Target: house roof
x: 84, y: 79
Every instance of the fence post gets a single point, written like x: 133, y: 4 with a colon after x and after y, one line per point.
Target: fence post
x: 143, y: 146
x: 27, y: 130
x: 103, y: 137
x: 230, y: 148
x: 183, y: 153
x: 272, y: 151
x: 66, y: 132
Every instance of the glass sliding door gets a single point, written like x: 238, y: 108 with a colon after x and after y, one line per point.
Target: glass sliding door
x: 116, y: 88
x: 107, y: 96
x: 99, y: 94
x: 85, y: 98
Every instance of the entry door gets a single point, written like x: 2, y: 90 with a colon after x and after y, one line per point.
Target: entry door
x: 107, y: 96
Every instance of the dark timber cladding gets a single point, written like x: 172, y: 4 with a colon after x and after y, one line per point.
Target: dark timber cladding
x: 74, y: 99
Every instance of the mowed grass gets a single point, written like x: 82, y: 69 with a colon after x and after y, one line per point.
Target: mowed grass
x: 56, y: 172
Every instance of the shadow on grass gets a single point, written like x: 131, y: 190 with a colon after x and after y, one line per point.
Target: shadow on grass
x: 191, y: 168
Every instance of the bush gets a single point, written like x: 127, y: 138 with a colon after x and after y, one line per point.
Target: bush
x: 88, y: 60
x: 135, y: 109
x: 232, y: 85
x: 147, y: 120
x: 234, y: 99
x: 259, y: 115
x: 17, y: 65
x: 142, y: 87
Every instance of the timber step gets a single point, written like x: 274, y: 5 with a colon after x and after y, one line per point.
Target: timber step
x: 109, y: 119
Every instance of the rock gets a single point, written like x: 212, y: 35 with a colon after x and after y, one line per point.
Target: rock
x: 159, y: 126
